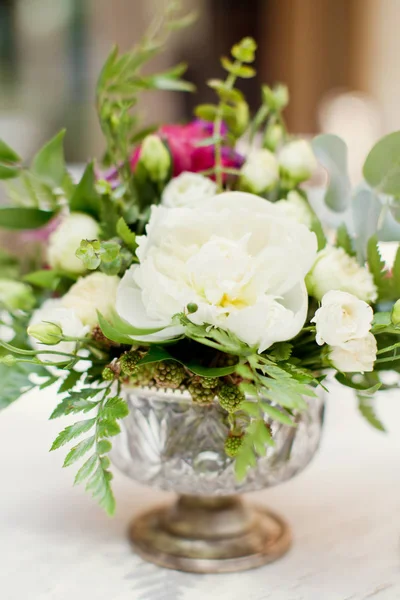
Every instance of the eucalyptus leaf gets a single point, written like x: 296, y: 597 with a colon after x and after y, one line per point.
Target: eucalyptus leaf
x: 331, y: 151
x: 382, y: 166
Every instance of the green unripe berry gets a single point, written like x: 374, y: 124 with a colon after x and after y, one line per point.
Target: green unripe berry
x: 232, y: 445
x: 128, y: 362
x: 192, y: 308
x: 108, y: 374
x: 169, y: 374
x: 200, y: 394
x: 230, y: 397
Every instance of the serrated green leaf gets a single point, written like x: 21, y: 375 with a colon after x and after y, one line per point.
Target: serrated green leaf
x: 79, y: 450
x: 86, y: 469
x: 99, y: 485
x: 343, y: 240
x: 115, y: 407
x: 251, y: 408
x: 396, y: 276
x: 126, y: 235
x: 378, y: 270
x: 103, y: 447
x: 71, y: 432
x: 69, y: 382
x: 108, y: 427
x: 281, y: 351
x: 49, y: 163
x: 277, y: 414
x: 24, y: 218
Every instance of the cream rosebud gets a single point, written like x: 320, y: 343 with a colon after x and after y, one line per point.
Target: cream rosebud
x: 297, y: 208
x: 188, y: 189
x: 96, y: 292
x: 155, y: 157
x: 395, y: 316
x: 46, y: 333
x: 52, y: 311
x: 66, y: 239
x: 260, y: 172
x: 297, y: 161
x: 355, y: 356
x: 334, y: 269
x: 274, y: 137
x: 342, y: 317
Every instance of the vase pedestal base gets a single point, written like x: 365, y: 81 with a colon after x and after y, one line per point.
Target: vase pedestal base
x: 210, y: 535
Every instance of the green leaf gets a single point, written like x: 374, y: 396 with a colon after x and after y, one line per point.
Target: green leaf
x: 85, y: 198
x: 79, y: 450
x: 331, y: 152
x: 207, y: 112
x: 24, y: 218
x: 86, y: 469
x: 238, y: 70
x: 16, y: 381
x: 112, y: 333
x: 71, y: 432
x: 7, y: 154
x: 366, y: 408
x: 8, y: 171
x: 396, y: 276
x: 166, y: 83
x: 49, y: 163
x: 316, y: 227
x: 183, y: 22
x: 343, y: 240
x: 103, y: 447
x: 378, y: 270
x: 277, y: 414
x: 46, y: 279
x: 99, y: 485
x: 108, y: 428
x: 281, y: 351
x: 382, y: 166
x: 70, y: 382
x: 126, y: 235
x: 366, y: 388
x: 251, y: 408
x: 116, y: 408
x: 159, y: 353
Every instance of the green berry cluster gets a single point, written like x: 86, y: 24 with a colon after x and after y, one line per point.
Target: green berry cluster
x: 230, y: 397
x: 169, y: 374
x: 232, y: 445
x: 203, y: 390
x: 108, y: 374
x: 128, y: 362
x: 143, y: 376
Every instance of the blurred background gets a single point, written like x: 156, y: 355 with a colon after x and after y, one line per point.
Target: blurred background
x: 338, y: 57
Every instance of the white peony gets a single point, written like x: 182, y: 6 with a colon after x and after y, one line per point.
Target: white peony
x: 297, y: 160
x: 188, y: 189
x: 235, y: 257
x: 334, y: 269
x: 96, y: 292
x: 355, y: 356
x: 297, y: 208
x: 342, y: 317
x: 66, y: 239
x: 260, y: 172
x: 52, y: 311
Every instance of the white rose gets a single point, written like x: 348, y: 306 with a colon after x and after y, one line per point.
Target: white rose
x: 355, y: 356
x: 96, y: 292
x: 260, y: 172
x: 235, y: 257
x: 297, y: 208
x: 188, y: 189
x: 342, y: 317
x: 52, y: 311
x: 297, y: 160
x: 66, y: 239
x: 334, y: 269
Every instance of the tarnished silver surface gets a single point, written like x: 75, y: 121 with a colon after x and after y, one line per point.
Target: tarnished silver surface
x: 171, y: 443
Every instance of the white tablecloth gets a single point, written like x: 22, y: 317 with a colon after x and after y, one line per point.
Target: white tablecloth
x: 56, y: 544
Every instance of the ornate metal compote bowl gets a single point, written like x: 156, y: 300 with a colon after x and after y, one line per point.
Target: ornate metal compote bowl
x: 171, y: 443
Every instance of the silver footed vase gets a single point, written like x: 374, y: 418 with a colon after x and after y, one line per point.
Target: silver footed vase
x: 173, y: 444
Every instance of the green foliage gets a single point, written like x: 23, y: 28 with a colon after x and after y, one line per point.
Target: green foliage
x: 343, y: 240
x: 331, y: 152
x: 95, y: 470
x: 48, y: 164
x: 316, y: 227
x: 126, y: 235
x: 17, y: 381
x: 9, y: 162
x: 109, y: 256
x: 378, y: 270
x: 46, y: 279
x: 86, y: 198
x: 367, y: 409
x: 382, y: 166
x: 24, y: 218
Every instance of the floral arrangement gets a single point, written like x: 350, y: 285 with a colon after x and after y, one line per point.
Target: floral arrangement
x: 195, y: 257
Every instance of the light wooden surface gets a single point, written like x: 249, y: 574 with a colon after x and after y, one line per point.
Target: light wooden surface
x: 55, y: 544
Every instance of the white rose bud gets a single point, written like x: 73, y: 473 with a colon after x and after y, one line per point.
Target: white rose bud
x: 342, y: 317
x: 70, y: 325
x: 156, y: 159
x: 260, y: 172
x: 297, y: 208
x: 49, y: 334
x: 334, y: 269
x: 96, y: 292
x: 66, y: 239
x: 297, y: 161
x: 355, y: 356
x: 188, y: 189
